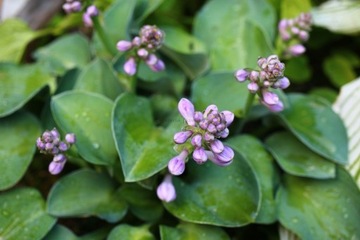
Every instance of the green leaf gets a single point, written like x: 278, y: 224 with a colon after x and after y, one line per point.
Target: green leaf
x: 144, y: 8
x: 298, y: 69
x: 88, y: 116
x: 185, y: 50
x: 296, y: 159
x: 15, y: 35
x: 210, y: 194
x: 19, y: 132
x: 125, y: 231
x: 339, y: 69
x: 143, y: 203
x: 293, y: 8
x: 320, y: 209
x: 59, y: 232
x: 18, y: 84
x: 143, y: 149
x: 23, y: 216
x: 263, y: 165
x: 86, y: 192
x: 345, y: 12
x: 99, y: 77
x: 65, y: 53
x: 317, y: 126
x: 116, y: 23
x: 347, y: 106
x: 189, y: 231
x: 236, y: 32
x: 326, y: 93
x: 232, y: 95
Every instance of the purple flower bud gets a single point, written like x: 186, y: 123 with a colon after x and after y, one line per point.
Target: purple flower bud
x: 262, y: 75
x: 70, y: 138
x: 295, y: 30
x: 229, y: 117
x: 277, y: 107
x: 208, y: 137
x: 67, y: 7
x: 123, y: 45
x: 254, y: 76
x: 224, y: 133
x: 49, y: 146
x: 87, y: 20
x: 282, y: 83
x: 151, y: 60
x: 217, y: 146
x: 56, y: 167
x: 213, y: 157
x: 270, y: 98
x: 59, y: 158
x: 220, y: 127
x: 55, y: 150
x: 136, y: 41
x: 47, y: 136
x: 196, y: 140
x: 283, y: 24
x: 253, y: 87
x: 143, y: 53
x: 285, y: 35
x: 211, y: 128
x: 226, y: 155
x: 241, y: 75
x: 158, y: 66
x: 182, y: 137
x: 166, y: 190
x: 296, y: 50
x: 176, y: 165
x: 198, y: 116
x: 210, y: 109
x: 92, y: 11
x: 40, y: 144
x: 266, y: 83
x: 130, y: 66
x: 204, y: 124
x: 303, y: 35
x: 76, y: 6
x: 262, y: 62
x: 199, y: 155
x: 63, y: 146
x: 187, y: 111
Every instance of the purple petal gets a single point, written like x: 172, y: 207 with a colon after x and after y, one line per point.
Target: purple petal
x: 151, y: 60
x: 187, y: 110
x: 229, y: 117
x: 226, y: 155
x: 199, y: 155
x: 59, y: 158
x: 87, y: 20
x: 39, y: 143
x: 198, y: 116
x: 182, y: 137
x: 208, y: 137
x: 158, y: 66
x: 253, y: 87
x: 212, y: 157
x: 278, y: 107
x: 92, y: 11
x: 296, y: 50
x: 241, y: 75
x: 176, y: 166
x: 210, y: 109
x: 217, y: 146
x: 56, y: 167
x: 123, y: 45
x: 63, y: 146
x: 282, y: 83
x: 166, y: 190
x: 196, y: 141
x: 70, y: 138
x: 270, y: 98
x: 130, y: 66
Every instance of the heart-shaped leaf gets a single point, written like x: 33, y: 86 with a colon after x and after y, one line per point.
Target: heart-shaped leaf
x: 15, y: 35
x: 125, y: 231
x: 19, y: 132
x: 60, y: 232
x: 295, y: 158
x: 23, y: 215
x: 239, y: 25
x: 144, y: 149
x: 67, y: 52
x: 320, y: 209
x: 263, y: 165
x: 86, y: 192
x: 99, y: 77
x: 222, y: 90
x: 317, y: 126
x: 209, y: 194
x: 18, y: 84
x: 88, y: 115
x: 187, y: 51
x: 189, y: 231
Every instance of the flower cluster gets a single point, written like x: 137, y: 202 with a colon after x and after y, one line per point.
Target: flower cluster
x: 271, y: 75
x: 50, y: 143
x: 200, y: 137
x: 143, y: 47
x: 72, y: 6
x: 90, y: 12
x: 295, y: 31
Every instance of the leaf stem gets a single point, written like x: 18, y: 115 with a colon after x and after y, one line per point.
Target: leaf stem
x: 249, y: 102
x: 103, y: 37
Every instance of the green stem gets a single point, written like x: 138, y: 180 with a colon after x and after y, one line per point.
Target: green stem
x: 103, y: 37
x: 249, y: 102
